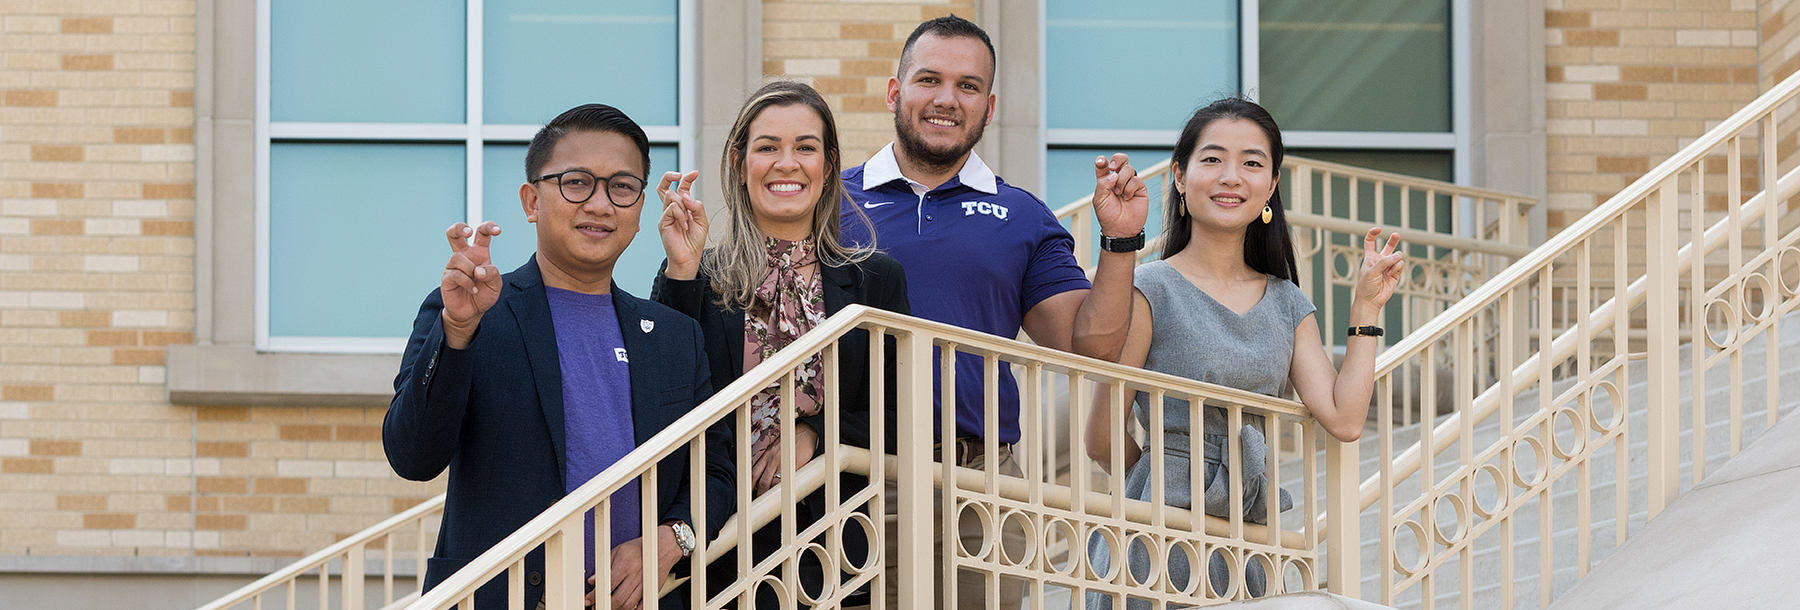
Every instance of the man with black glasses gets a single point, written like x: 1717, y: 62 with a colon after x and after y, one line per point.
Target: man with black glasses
x: 526, y: 385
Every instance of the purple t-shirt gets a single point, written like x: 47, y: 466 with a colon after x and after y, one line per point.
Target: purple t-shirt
x: 597, y: 422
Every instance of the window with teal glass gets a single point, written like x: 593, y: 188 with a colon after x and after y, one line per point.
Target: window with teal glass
x: 321, y: 69
x: 381, y: 124
x: 1124, y: 80
x: 356, y: 234
x: 1138, y: 64
x: 557, y: 51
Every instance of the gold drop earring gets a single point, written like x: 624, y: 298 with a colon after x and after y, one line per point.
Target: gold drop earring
x: 1268, y: 214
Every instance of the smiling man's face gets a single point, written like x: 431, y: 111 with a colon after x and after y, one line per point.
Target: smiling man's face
x: 584, y: 240
x: 942, y: 102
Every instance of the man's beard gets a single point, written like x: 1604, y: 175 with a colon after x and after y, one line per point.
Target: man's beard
x: 936, y: 159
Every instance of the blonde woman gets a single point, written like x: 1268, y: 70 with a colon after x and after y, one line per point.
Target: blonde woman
x: 777, y: 272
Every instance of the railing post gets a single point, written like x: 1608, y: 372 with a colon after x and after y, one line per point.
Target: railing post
x: 564, y: 566
x: 353, y: 578
x: 1343, y: 506
x: 1662, y: 285
x: 913, y: 368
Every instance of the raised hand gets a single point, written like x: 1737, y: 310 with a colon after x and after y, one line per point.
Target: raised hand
x: 1380, y: 269
x: 471, y: 283
x: 683, y: 225
x: 1121, y: 200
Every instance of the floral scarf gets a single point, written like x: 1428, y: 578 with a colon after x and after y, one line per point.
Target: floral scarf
x: 785, y: 307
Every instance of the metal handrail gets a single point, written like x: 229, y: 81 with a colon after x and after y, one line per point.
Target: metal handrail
x: 1673, y: 268
x: 349, y: 552
x: 552, y: 528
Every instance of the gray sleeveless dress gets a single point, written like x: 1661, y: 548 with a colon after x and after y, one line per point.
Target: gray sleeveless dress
x: 1196, y: 337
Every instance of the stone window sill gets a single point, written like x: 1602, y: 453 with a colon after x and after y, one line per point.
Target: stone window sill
x: 239, y: 375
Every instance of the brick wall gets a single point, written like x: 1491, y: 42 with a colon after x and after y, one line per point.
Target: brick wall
x: 848, y: 51
x: 96, y: 277
x: 1629, y: 82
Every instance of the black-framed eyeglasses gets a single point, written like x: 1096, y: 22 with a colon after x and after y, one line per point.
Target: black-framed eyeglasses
x: 577, y: 186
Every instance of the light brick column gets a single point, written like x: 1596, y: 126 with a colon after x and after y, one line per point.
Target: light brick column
x: 96, y: 276
x: 848, y: 51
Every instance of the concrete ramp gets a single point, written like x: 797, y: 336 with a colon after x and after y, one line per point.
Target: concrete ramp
x: 1727, y: 543
x: 1312, y: 600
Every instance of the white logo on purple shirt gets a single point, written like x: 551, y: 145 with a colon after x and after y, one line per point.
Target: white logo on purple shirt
x: 971, y: 208
x: 619, y: 352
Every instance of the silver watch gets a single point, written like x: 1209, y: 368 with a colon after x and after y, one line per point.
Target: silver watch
x: 684, y: 537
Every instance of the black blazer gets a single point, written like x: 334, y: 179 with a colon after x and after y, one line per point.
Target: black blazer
x: 877, y: 281
x: 492, y: 414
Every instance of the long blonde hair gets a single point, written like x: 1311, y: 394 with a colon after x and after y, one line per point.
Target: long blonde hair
x: 736, y: 264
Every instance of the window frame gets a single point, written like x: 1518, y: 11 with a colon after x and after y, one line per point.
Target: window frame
x: 473, y: 133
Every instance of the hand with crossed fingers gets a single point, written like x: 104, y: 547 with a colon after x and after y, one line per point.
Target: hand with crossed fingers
x: 471, y: 283
x: 683, y: 225
x: 1380, y: 270
x: 1121, y: 200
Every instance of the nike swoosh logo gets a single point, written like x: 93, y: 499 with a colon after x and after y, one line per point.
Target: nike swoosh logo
x: 871, y: 206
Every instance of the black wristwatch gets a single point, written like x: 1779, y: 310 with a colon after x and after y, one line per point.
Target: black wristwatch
x: 1363, y: 331
x: 1123, y: 244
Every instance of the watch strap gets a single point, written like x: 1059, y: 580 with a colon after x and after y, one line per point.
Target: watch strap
x: 684, y: 537
x: 1123, y: 244
x: 1364, y: 331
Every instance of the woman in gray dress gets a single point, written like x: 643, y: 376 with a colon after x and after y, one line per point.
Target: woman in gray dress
x: 1222, y: 307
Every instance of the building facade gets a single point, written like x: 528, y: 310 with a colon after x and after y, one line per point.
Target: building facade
x: 217, y: 216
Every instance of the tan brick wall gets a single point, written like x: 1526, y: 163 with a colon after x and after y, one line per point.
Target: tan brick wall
x: 96, y: 277
x: 848, y: 51
x: 1631, y: 81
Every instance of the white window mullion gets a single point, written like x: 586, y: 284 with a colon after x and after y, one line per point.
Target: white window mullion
x: 1250, y: 49
x: 472, y: 131
x: 1460, y: 88
x: 293, y: 130
x: 686, y: 55
x: 262, y: 174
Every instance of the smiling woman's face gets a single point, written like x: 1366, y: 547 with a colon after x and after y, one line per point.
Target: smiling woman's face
x: 784, y: 169
x: 1228, y: 179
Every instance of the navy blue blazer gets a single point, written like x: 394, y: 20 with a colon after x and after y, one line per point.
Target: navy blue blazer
x: 493, y: 415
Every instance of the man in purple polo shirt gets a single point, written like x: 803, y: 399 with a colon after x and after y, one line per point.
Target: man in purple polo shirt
x: 980, y: 253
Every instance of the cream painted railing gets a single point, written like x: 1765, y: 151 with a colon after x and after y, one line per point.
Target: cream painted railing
x: 1456, y: 236
x: 1055, y: 519
x: 413, y: 530
x: 1546, y: 351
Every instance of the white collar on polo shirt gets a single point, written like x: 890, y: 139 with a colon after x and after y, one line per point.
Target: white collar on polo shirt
x: 884, y: 168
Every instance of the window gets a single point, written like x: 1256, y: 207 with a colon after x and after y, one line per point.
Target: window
x: 1370, y: 83
x: 380, y: 124
x: 1376, y: 83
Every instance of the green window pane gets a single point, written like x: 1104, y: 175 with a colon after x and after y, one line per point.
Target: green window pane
x: 1069, y: 175
x: 1370, y: 65
x: 503, y: 171
x: 398, y: 61
x: 546, y: 56
x: 356, y: 234
x: 1138, y: 64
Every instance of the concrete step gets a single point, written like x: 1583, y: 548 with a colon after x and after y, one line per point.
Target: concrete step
x: 1486, y: 556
